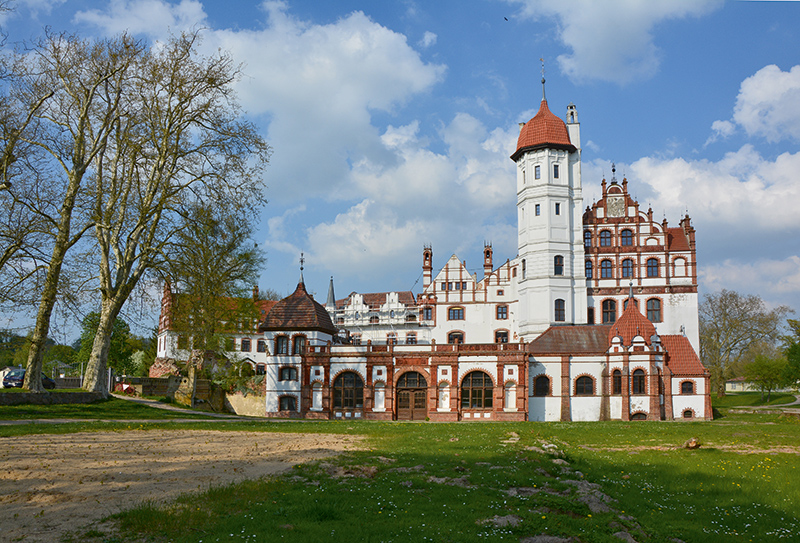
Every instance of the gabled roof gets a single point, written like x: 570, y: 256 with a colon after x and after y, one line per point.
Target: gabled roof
x: 681, y: 357
x: 574, y: 339
x: 300, y: 312
x: 544, y: 130
x: 631, y: 324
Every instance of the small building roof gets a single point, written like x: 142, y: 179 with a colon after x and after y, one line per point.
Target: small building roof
x: 631, y: 324
x: 681, y: 357
x: 298, y: 311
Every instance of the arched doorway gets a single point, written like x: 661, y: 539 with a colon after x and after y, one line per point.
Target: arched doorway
x: 412, y: 396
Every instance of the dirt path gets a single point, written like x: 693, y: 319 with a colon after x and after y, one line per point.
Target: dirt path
x: 53, y: 484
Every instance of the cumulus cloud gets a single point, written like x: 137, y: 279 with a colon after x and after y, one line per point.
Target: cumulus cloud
x: 768, y: 104
x: 773, y: 278
x: 428, y: 39
x: 611, y: 40
x: 153, y: 18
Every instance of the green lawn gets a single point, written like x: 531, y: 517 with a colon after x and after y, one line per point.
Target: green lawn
x: 110, y: 409
x: 751, y: 399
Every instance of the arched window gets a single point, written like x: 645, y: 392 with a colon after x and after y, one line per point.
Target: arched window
x: 476, y: 391
x: 299, y: 344
x: 654, y: 310
x: 609, y: 311
x: 652, y: 267
x: 287, y: 374
x: 261, y: 346
x: 606, y: 271
x: 560, y: 310
x: 587, y: 239
x: 454, y: 338
x: 455, y: 314
x: 688, y: 414
x: 288, y: 403
x: 626, y: 237
x: 412, y: 379
x: 679, y: 267
x: 348, y: 391
x: 281, y: 345
x: 558, y: 265
x: 374, y: 319
x: 627, y: 268
x: 501, y: 336
x: 639, y: 416
x: 616, y: 382
x: 605, y: 238
x: 541, y: 385
x: 584, y: 386
x: 588, y: 269
x: 639, y: 386
x: 687, y: 387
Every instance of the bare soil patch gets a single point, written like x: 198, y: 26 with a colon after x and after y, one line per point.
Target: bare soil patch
x: 54, y: 484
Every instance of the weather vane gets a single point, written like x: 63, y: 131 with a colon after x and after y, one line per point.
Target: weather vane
x: 302, y: 261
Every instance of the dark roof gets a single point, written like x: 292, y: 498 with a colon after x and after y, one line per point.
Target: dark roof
x: 544, y: 130
x: 575, y: 339
x: 681, y: 357
x: 298, y: 311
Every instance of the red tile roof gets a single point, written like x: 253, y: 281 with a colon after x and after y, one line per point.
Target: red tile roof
x: 631, y: 324
x: 298, y: 311
x: 681, y: 357
x: 677, y: 240
x: 577, y: 339
x: 544, y: 130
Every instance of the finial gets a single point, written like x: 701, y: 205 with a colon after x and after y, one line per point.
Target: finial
x: 543, y: 97
x: 630, y: 290
x: 613, y: 172
x: 302, y: 261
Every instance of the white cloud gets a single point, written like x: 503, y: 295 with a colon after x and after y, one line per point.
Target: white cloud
x: 153, y: 18
x: 768, y: 104
x: 611, y: 40
x: 428, y: 39
x: 773, y: 278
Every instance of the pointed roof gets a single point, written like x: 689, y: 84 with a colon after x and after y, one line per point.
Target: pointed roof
x: 300, y: 312
x: 331, y: 301
x: 631, y: 324
x: 545, y: 130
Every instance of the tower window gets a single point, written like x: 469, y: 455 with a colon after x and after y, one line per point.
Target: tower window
x: 538, y: 210
x: 558, y: 265
x: 558, y: 208
x: 560, y: 310
x: 537, y: 172
x: 555, y: 171
x: 588, y: 269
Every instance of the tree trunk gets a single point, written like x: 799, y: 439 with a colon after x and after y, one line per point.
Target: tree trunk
x: 96, y: 370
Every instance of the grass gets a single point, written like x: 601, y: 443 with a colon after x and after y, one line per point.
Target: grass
x: 751, y: 399
x: 110, y: 409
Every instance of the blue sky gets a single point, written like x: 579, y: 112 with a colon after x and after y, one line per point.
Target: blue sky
x: 392, y: 122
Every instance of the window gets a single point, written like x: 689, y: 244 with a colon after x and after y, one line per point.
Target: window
x: 245, y: 345
x: 616, y: 382
x: 411, y: 338
x: 356, y: 339
x: 476, y: 391
x: 584, y: 386
x: 555, y: 171
x: 627, y: 268
x: 261, y: 346
x: 626, y: 238
x: 299, y: 345
x: 281, y: 345
x: 541, y: 385
x: 391, y: 338
x: 374, y: 319
x: 412, y: 379
x: 454, y: 338
x: 558, y: 208
x: 444, y: 286
x: 261, y: 369
x: 288, y: 403
x: 537, y: 172
x: 502, y: 312
x: 348, y: 391
x: 449, y: 285
x: 501, y: 336
x: 287, y: 374
x: 688, y: 414
x: 590, y: 315
x: 652, y: 267
x: 639, y: 386
x: 606, y: 271
x: 455, y: 314
x: 639, y: 416
x: 587, y: 239
x: 411, y: 317
x: 654, y: 310
x: 523, y: 269
x: 588, y: 269
x: 560, y: 310
x: 605, y: 238
x: 687, y: 387
x: 537, y: 209
x: 427, y: 313
x: 609, y: 311
x: 558, y: 265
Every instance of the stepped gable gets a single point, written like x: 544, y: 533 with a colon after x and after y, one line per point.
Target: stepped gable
x: 298, y: 311
x: 580, y: 339
x: 631, y: 324
x: 545, y: 130
x: 681, y: 357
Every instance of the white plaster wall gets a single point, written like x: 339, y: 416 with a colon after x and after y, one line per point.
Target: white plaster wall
x: 682, y: 402
x: 486, y: 364
x: 585, y: 408
x: 544, y: 408
x: 355, y: 365
x: 640, y: 403
x: 615, y: 407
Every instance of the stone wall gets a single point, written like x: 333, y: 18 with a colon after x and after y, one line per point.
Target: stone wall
x: 251, y: 405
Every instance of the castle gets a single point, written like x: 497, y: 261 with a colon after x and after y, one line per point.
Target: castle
x: 596, y: 318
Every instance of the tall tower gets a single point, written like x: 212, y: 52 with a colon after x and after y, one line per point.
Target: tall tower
x: 552, y: 284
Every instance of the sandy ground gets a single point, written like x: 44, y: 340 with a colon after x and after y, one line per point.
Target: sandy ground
x: 54, y: 484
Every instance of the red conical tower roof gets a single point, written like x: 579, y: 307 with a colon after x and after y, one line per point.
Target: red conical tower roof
x: 631, y: 324
x: 544, y: 130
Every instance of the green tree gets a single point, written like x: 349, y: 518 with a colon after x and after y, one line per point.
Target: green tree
x: 730, y: 324
x: 766, y: 373
x: 792, y: 344
x: 120, y: 346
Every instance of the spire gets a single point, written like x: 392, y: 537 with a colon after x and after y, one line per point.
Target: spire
x: 330, y: 303
x: 630, y: 290
x: 543, y: 96
x: 302, y: 261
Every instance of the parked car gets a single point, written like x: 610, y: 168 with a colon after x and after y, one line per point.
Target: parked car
x: 15, y: 378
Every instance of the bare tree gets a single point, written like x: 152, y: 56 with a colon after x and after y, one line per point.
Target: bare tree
x: 730, y: 324
x: 180, y: 142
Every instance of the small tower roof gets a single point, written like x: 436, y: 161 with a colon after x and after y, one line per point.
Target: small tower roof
x: 631, y: 324
x: 298, y: 311
x: 545, y: 130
